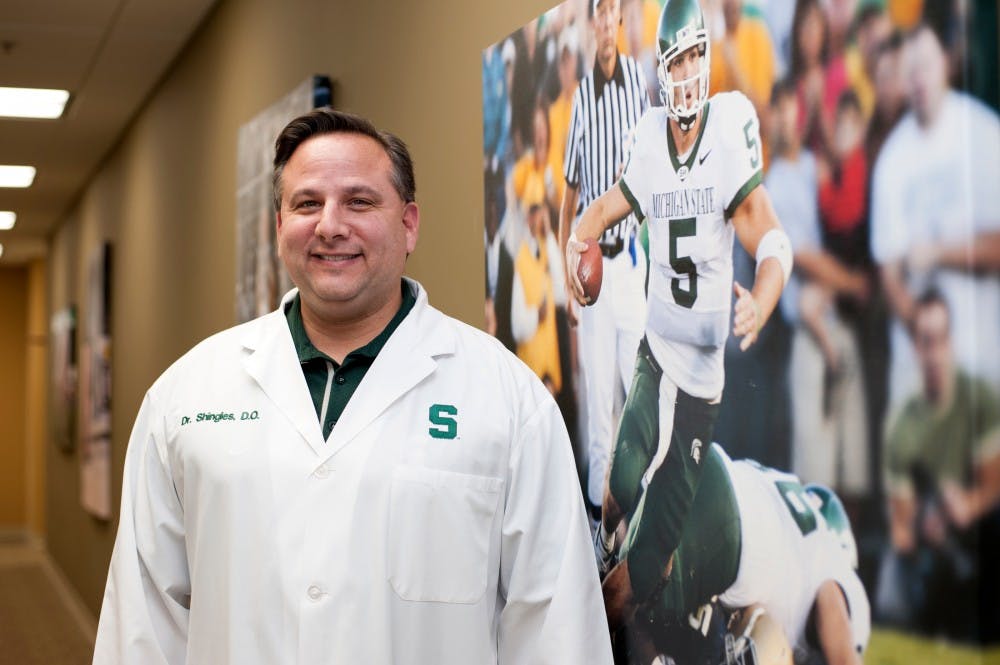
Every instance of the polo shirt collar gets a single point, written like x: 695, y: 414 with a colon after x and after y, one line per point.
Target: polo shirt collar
x: 306, y: 351
x: 617, y: 76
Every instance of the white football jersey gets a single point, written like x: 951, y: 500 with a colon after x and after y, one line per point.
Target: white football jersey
x: 686, y: 201
x: 787, y: 552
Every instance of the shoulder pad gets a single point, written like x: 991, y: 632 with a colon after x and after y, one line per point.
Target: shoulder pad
x: 730, y: 112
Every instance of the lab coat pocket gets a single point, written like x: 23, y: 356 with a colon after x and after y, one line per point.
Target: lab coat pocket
x: 440, y: 523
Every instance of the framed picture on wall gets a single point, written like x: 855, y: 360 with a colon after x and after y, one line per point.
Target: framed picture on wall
x: 874, y: 380
x: 95, y: 382
x: 64, y: 378
x: 260, y: 279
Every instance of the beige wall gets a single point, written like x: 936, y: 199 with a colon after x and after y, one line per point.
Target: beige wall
x: 165, y: 197
x: 22, y: 399
x: 13, y: 342
x: 36, y: 397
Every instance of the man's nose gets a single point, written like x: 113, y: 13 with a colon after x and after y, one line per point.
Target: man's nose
x: 332, y: 223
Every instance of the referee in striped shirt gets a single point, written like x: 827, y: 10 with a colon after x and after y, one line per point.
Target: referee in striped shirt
x: 607, y: 105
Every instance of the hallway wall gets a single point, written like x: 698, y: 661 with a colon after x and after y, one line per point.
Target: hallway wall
x: 13, y: 344
x: 36, y: 397
x: 165, y: 196
x: 23, y: 400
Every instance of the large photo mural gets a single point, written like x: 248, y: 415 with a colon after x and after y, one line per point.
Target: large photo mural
x: 783, y: 403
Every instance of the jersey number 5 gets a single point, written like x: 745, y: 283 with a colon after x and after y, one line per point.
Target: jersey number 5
x: 683, y: 265
x: 753, y: 144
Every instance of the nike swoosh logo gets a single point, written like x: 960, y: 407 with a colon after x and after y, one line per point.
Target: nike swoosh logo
x: 701, y: 160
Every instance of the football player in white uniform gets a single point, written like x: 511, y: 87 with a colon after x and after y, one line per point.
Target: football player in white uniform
x: 760, y: 539
x: 694, y: 177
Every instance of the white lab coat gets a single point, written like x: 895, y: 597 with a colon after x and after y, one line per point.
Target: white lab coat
x: 246, y: 538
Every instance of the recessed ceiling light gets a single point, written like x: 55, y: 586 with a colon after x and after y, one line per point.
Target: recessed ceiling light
x: 32, y: 102
x: 17, y: 176
x: 7, y: 219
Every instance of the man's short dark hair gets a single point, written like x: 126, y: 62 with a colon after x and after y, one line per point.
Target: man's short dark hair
x: 848, y: 100
x: 329, y: 121
x: 783, y: 88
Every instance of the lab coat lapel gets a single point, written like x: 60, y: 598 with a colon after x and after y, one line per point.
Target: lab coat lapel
x: 274, y: 365
x: 408, y: 357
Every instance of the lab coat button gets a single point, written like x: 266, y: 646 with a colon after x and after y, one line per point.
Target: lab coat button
x: 314, y: 592
x: 322, y: 472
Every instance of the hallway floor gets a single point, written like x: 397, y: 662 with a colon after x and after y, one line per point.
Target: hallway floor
x: 41, y: 620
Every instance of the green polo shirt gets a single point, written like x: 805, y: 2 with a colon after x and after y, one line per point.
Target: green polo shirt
x: 944, y: 443
x: 337, y: 381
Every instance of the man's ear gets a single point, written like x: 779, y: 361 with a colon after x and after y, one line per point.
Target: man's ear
x: 411, y: 222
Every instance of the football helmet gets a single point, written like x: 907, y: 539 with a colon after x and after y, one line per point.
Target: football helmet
x: 836, y: 518
x: 757, y: 639
x: 681, y: 27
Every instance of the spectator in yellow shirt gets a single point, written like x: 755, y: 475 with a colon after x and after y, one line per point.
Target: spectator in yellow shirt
x: 533, y: 177
x: 743, y: 59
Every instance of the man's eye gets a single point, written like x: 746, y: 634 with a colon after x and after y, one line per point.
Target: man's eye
x: 306, y: 204
x: 360, y: 203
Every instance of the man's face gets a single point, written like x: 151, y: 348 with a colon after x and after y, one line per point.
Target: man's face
x: 926, y: 75
x: 343, y: 230
x: 607, y: 16
x: 682, y: 68
x: 786, y: 119
x: 932, y: 340
x: 889, y: 93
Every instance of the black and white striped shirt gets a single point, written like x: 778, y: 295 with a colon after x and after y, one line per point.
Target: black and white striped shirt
x: 605, y: 112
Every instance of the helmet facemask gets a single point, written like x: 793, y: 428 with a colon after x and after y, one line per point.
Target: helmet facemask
x: 682, y: 113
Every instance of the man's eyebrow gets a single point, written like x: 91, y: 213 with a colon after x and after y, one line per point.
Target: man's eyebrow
x: 305, y: 192
x: 362, y: 190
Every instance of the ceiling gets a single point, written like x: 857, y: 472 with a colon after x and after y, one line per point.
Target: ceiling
x: 109, y: 54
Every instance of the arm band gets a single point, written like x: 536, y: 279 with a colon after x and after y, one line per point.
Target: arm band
x: 775, y: 243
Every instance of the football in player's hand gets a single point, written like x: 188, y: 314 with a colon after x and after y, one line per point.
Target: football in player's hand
x: 591, y: 270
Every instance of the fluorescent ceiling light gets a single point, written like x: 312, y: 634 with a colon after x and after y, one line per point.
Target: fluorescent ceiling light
x: 17, y: 176
x: 7, y: 219
x: 32, y: 102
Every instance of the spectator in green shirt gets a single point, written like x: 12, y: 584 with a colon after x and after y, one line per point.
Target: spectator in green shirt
x: 942, y: 467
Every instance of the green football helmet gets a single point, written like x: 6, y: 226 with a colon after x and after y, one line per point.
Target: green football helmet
x: 681, y: 27
x: 836, y: 518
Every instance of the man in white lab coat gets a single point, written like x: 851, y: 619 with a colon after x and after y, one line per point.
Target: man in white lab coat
x: 355, y: 477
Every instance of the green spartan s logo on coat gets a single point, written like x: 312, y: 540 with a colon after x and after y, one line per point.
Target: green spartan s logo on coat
x: 444, y: 425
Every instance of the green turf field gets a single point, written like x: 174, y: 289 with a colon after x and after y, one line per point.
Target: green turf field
x: 888, y: 647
